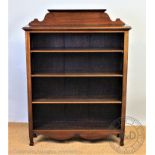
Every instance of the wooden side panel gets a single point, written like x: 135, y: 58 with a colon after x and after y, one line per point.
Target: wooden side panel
x: 28, y: 64
x: 125, y: 65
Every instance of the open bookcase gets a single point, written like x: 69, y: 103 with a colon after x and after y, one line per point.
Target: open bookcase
x: 77, y: 73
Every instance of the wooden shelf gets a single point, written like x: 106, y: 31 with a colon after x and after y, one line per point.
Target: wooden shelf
x: 78, y: 75
x: 76, y: 101
x: 77, y: 50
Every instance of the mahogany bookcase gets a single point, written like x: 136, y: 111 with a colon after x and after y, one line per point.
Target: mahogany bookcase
x: 76, y: 75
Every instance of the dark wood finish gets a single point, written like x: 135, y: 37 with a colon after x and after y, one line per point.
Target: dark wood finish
x: 75, y: 63
x: 79, y: 41
x: 75, y: 116
x: 78, y: 88
x: 76, y: 75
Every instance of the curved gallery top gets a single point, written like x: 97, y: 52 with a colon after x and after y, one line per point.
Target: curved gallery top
x: 76, y: 19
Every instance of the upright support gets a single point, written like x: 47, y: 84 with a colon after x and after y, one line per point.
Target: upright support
x: 125, y: 63
x: 28, y: 64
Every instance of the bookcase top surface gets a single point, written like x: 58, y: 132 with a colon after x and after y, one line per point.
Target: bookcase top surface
x: 94, y: 19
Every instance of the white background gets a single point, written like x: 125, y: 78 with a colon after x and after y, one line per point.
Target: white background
x: 22, y: 12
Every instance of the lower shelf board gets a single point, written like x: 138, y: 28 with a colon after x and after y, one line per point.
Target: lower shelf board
x: 76, y: 101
